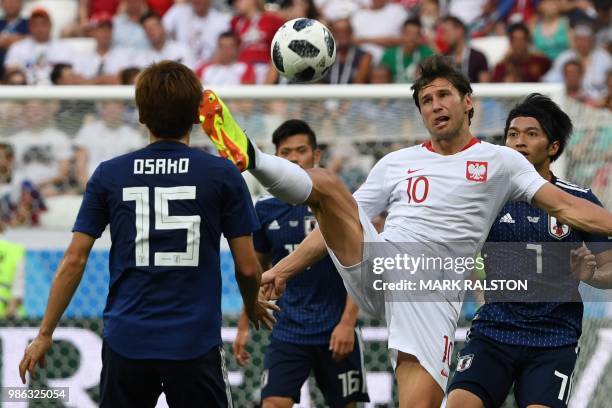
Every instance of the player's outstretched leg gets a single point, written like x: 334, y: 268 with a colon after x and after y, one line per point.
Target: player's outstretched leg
x: 330, y: 201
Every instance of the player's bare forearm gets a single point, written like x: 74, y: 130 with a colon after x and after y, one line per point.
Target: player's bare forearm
x: 249, y: 287
x: 602, y: 278
x: 67, y: 279
x: 576, y: 212
x: 311, y: 250
x: 243, y: 322
x: 351, y: 310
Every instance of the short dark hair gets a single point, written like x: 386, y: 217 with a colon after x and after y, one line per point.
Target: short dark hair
x: 127, y: 76
x: 149, y: 14
x: 573, y: 61
x: 519, y: 27
x: 168, y: 96
x: 294, y: 127
x: 555, y: 123
x: 228, y: 34
x: 438, y: 66
x: 415, y: 21
x: 57, y: 71
x: 456, y: 21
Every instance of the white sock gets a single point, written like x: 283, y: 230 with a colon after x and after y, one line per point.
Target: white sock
x: 284, y: 180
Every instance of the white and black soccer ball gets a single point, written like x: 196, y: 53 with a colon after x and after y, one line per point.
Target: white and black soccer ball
x: 303, y: 50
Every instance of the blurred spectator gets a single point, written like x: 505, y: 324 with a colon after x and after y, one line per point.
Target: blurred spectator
x: 12, y: 286
x: 378, y: 27
x: 161, y: 47
x: 12, y: 27
x: 63, y: 74
x: 226, y: 70
x: 472, y: 63
x: 36, y: 54
x: 429, y: 13
x: 520, y: 64
x: 20, y: 202
x: 404, y: 59
x: 14, y: 77
x: 42, y: 153
x: 468, y: 11
x: 578, y: 10
x: 334, y: 9
x: 551, y: 32
x: 596, y: 62
x: 104, y: 139
x: 606, y: 101
x: 602, y: 22
x: 127, y: 30
x: 572, y: 76
x: 352, y: 64
x: 104, y: 63
x: 160, y: 7
x: 71, y: 112
x: 197, y: 25
x: 128, y: 76
x: 87, y: 10
x: 255, y: 29
x: 298, y: 8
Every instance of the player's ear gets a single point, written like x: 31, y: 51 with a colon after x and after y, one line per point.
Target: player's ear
x: 553, y: 148
x: 467, y: 99
x: 317, y: 157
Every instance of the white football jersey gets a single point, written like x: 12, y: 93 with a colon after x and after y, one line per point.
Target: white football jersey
x: 435, y: 198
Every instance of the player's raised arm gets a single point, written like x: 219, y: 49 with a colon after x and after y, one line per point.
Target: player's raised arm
x: 573, y: 211
x: 67, y: 279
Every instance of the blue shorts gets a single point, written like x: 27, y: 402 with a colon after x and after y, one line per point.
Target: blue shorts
x: 287, y: 366
x: 199, y: 382
x: 540, y: 375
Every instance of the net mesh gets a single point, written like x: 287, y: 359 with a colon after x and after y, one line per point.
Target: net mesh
x: 354, y: 134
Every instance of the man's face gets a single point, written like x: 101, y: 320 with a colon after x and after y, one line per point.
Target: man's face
x: 154, y: 30
x: 519, y: 43
x: 443, y: 110
x: 411, y: 35
x: 573, y: 75
x: 111, y: 113
x: 583, y: 44
x: 11, y: 7
x: 297, y: 150
x: 103, y: 35
x: 200, y: 7
x: 227, y: 50
x: 525, y: 135
x: 342, y: 33
x: 40, y: 28
x: 450, y: 34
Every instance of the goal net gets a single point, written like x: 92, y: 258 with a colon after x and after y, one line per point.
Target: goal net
x: 355, y: 125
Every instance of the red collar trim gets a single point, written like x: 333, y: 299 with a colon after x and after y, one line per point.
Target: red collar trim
x: 428, y: 145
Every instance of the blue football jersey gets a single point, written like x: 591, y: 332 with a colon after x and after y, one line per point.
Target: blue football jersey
x: 167, y: 206
x: 535, y: 324
x: 314, y: 300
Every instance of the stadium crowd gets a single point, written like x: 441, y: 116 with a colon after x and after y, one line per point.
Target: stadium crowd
x: 51, y: 148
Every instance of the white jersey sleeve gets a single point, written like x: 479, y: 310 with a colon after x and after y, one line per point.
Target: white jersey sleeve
x: 523, y: 179
x: 373, y: 195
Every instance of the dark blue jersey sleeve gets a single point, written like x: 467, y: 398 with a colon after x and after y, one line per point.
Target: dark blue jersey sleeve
x: 260, y: 239
x: 238, y: 217
x: 93, y: 215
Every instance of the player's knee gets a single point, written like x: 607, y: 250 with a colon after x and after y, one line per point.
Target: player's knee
x: 325, y: 182
x: 277, y: 402
x: 459, y: 398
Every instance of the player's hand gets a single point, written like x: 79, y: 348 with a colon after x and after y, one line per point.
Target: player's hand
x: 261, y: 314
x: 272, y: 284
x: 583, y: 263
x: 342, y: 341
x: 34, y: 354
x: 241, y: 355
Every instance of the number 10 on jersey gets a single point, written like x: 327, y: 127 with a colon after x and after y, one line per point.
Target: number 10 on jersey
x: 164, y: 221
x: 418, y: 189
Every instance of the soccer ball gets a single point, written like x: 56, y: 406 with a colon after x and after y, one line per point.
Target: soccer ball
x: 303, y: 50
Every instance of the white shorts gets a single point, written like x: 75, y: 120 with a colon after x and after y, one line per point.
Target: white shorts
x: 423, y: 329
